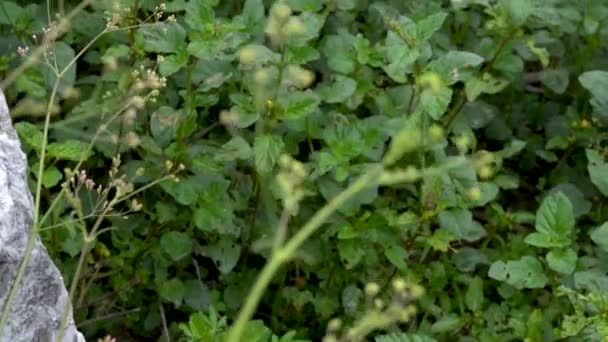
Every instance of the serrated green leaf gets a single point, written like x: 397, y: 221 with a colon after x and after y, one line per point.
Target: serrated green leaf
x: 596, y: 82
x: 598, y: 170
x: 460, y: 223
x: 554, y: 222
x: 199, y: 14
x: 562, y: 260
x: 435, y: 104
x: 172, y: 291
x: 555, y: 79
x: 440, y: 240
x: 339, y: 52
x: 177, y: 245
x: 300, y: 104
x: 429, y: 25
x: 518, y: 10
x: 484, y: 85
x: 30, y: 134
x: 51, y: 177
x: 527, y: 272
x: 599, y: 235
x: 72, y: 150
x: 397, y: 256
x: 267, y: 149
x: 455, y: 66
x: 163, y: 37
x: 225, y: 254
x: 340, y: 89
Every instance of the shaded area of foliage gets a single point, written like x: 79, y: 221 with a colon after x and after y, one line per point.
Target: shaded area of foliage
x: 508, y: 246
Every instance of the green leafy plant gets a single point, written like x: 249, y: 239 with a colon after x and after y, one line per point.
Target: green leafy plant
x: 290, y: 153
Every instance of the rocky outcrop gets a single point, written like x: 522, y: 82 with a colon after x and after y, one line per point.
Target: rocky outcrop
x: 36, y: 311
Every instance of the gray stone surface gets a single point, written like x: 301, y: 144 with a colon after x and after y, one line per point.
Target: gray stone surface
x: 37, y: 309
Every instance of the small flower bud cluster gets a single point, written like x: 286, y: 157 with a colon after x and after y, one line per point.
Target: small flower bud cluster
x: 484, y: 163
x: 282, y: 25
x: 290, y: 179
x: 380, y: 315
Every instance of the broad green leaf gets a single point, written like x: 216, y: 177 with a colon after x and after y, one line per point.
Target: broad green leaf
x: 526, y: 272
x: 599, y: 235
x: 115, y: 52
x: 467, y: 259
x: 518, y: 10
x: 177, y: 245
x: 199, y: 15
x: 236, y: 148
x: 197, y: 295
x: 487, y: 84
x: 429, y: 25
x: 400, y: 57
x: 554, y: 222
x: 253, y: 13
x: 300, y: 104
x: 513, y: 148
x: 455, y: 66
x: 30, y: 134
x: 72, y: 150
x: 306, y: 5
x: 351, y: 252
x: 448, y: 323
x: 338, y: 49
x: 596, y: 82
x: 267, y: 149
x: 225, y: 254
x: 301, y: 54
x: 555, y: 79
x: 51, y: 177
x: 580, y: 204
x: 187, y: 190
x: 562, y: 260
x: 172, y: 64
x: 172, y: 291
x: 397, y: 255
x: 460, y: 223
x: 440, y: 240
x: 340, y: 89
x: 436, y: 104
x: 598, y: 170
x: 474, y: 297
x: 163, y: 37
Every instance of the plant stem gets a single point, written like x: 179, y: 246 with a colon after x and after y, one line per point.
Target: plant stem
x: 283, y: 254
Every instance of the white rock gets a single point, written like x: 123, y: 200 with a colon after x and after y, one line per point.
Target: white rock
x: 37, y: 309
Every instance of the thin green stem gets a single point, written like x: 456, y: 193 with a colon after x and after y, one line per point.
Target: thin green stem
x: 83, y: 254
x: 283, y: 254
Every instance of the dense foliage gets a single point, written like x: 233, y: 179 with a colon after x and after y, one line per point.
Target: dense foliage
x: 205, y: 134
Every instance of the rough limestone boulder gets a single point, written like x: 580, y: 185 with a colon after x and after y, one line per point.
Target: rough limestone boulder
x: 37, y: 309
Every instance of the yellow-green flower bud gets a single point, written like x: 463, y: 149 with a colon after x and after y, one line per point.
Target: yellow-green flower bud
x: 294, y: 26
x: 280, y: 10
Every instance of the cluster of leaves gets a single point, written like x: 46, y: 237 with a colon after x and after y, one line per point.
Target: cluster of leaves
x: 495, y: 205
